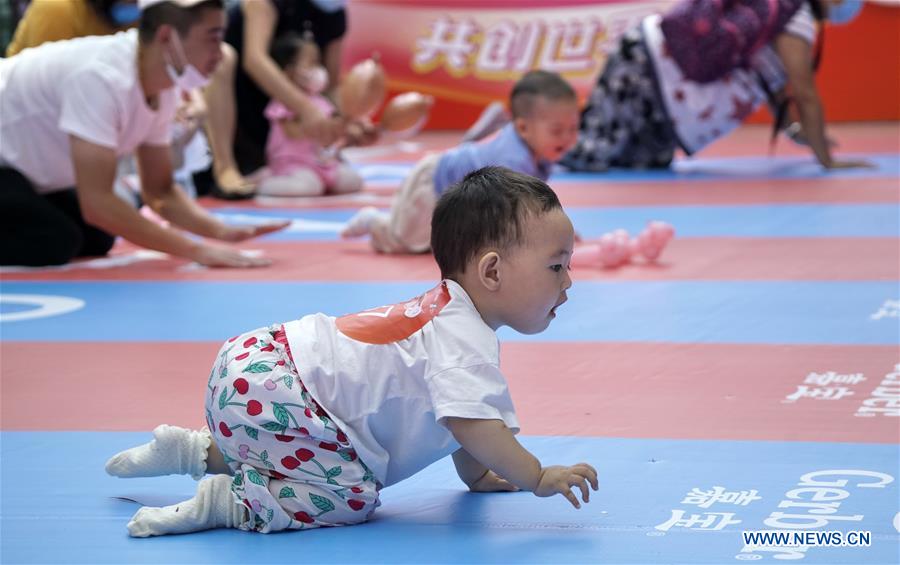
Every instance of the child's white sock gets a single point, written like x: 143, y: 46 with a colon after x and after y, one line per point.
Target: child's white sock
x: 361, y: 223
x: 213, y: 507
x: 173, y: 451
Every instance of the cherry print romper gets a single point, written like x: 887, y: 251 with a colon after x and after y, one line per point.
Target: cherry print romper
x: 293, y: 468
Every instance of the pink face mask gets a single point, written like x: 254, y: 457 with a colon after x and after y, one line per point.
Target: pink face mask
x: 189, y: 78
x: 314, y: 80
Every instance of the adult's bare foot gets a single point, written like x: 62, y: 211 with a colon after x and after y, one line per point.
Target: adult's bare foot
x: 231, y: 185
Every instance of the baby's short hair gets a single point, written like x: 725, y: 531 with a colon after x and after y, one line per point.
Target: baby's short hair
x: 486, y: 209
x: 538, y: 84
x: 286, y: 48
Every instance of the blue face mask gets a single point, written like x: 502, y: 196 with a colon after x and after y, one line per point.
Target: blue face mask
x: 124, y: 13
x: 844, y: 12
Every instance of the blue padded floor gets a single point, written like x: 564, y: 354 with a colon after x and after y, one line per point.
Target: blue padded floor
x: 701, y: 169
x: 642, y: 512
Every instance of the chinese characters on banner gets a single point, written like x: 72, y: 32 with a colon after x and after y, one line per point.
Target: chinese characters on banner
x: 469, y: 54
x: 504, y: 50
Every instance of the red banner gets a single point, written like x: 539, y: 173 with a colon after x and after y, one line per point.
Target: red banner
x: 468, y: 53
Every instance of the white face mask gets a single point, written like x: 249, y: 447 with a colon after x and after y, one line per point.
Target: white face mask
x: 190, y: 78
x: 314, y: 80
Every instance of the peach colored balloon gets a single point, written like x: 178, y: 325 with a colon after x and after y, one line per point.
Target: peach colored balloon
x: 405, y: 111
x: 363, y: 89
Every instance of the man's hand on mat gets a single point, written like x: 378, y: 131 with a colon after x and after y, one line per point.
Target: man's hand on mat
x: 241, y: 233
x: 492, y: 482
x: 220, y: 256
x: 561, y: 480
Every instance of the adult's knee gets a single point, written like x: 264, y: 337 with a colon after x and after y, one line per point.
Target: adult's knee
x: 96, y: 242
x: 44, y: 246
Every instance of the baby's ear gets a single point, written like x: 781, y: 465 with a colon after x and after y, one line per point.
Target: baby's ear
x: 521, y: 125
x: 489, y: 270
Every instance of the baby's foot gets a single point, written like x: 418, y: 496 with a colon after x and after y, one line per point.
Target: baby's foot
x: 173, y: 451
x: 492, y: 118
x: 213, y: 507
x: 361, y: 223
x: 651, y: 242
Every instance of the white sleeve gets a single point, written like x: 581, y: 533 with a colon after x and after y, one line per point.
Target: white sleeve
x: 802, y: 24
x: 478, y: 392
x: 161, y: 131
x: 90, y: 109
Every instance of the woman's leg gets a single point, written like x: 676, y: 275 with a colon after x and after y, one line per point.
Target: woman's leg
x: 220, y: 125
x: 625, y: 123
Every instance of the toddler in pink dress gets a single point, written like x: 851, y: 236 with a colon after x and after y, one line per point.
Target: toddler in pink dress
x: 298, y: 166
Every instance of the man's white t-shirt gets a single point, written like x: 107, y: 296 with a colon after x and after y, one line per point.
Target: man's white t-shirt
x: 389, y: 376
x: 86, y: 87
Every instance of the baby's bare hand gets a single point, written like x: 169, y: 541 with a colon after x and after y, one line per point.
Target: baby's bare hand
x: 492, y: 482
x: 560, y: 480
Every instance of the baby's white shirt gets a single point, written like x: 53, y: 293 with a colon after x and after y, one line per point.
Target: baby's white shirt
x: 406, y: 368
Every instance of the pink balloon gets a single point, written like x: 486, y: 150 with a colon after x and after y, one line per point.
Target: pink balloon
x: 363, y: 89
x: 406, y: 110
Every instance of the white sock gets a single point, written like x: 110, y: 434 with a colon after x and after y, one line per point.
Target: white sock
x: 361, y: 223
x: 173, y: 451
x: 213, y: 507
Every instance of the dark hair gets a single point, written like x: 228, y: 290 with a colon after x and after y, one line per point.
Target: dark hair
x: 538, y: 84
x: 169, y: 13
x: 485, y: 209
x: 286, y: 49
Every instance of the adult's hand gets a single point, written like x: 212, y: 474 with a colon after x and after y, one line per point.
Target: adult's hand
x: 221, y: 256
x: 242, y: 233
x: 850, y: 164
x: 361, y: 132
x: 325, y: 130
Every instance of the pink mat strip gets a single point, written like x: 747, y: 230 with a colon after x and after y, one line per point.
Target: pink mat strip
x: 684, y: 259
x: 636, y: 390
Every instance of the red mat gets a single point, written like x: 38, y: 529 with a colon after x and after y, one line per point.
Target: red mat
x: 609, y: 389
x: 684, y: 259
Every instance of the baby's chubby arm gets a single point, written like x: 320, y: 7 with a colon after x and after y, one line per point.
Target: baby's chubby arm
x: 492, y: 444
x: 478, y: 477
